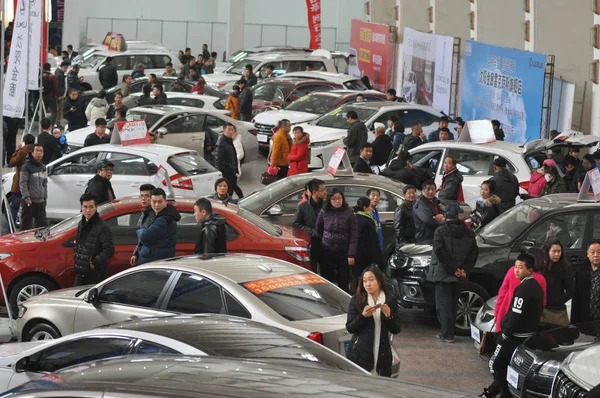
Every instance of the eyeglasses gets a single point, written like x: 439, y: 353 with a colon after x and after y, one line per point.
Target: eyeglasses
x: 337, y: 199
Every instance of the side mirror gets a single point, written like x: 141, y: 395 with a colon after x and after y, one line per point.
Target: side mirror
x: 152, y: 168
x: 92, y: 296
x: 69, y: 243
x: 162, y: 132
x: 22, y: 365
x: 275, y: 211
x: 527, y: 243
x: 49, y: 171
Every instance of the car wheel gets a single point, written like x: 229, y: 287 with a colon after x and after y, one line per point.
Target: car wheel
x: 472, y: 297
x: 263, y: 151
x: 42, y: 331
x: 26, y: 288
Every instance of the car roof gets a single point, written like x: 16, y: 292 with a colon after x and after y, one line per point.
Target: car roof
x: 148, y: 149
x: 294, y: 81
x: 134, y: 51
x: 339, y: 93
x: 394, y: 105
x: 171, y: 109
x: 178, y: 202
x: 177, y: 94
x: 562, y: 201
x: 321, y: 75
x: 504, y: 146
x: 260, y: 57
x: 358, y: 179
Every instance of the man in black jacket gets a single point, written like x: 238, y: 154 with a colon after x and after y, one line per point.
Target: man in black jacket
x: 362, y: 164
x: 382, y: 147
x: 428, y: 213
x: 404, y: 225
x: 51, y: 146
x: 146, y: 216
x: 306, y: 219
x: 159, y: 96
x: 507, y: 185
x: 226, y: 156
x: 570, y: 165
x: 451, y: 188
x: 357, y: 136
x: 443, y: 123
x: 520, y: 323
x: 498, y: 132
x: 454, y: 255
x: 586, y: 300
x: 74, y: 110
x: 212, y: 237
x: 108, y: 74
x: 73, y: 80
x: 245, y: 101
x: 100, y: 185
x: 416, y: 138
x: 99, y: 135
x: 401, y: 170
x: 93, y: 245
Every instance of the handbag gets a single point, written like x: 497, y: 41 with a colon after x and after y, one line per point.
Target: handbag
x: 267, y: 178
x: 488, y: 341
x: 558, y: 317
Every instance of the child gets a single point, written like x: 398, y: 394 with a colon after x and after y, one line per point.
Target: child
x: 232, y: 104
x: 62, y: 140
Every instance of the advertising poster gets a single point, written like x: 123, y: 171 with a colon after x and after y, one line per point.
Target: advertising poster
x: 372, y: 53
x: 504, y: 84
x: 314, y: 23
x: 427, y: 68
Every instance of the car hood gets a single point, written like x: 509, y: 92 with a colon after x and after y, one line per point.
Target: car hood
x: 77, y: 137
x: 585, y: 366
x: 558, y: 343
x: 19, y: 241
x: 323, y: 325
x: 272, y: 117
x: 9, y: 353
x: 61, y: 295
x: 221, y: 77
x: 320, y: 134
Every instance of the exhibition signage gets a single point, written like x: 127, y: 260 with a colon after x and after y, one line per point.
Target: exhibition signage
x: 339, y: 158
x: 427, y: 68
x: 477, y: 132
x: 314, y: 23
x: 504, y: 84
x: 133, y: 132
x: 114, y: 42
x: 372, y: 49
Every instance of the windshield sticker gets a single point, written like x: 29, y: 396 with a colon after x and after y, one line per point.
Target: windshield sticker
x: 280, y: 282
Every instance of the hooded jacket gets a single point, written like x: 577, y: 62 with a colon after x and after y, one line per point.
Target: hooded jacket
x: 96, y: 109
x: 486, y: 211
x: 369, y: 251
x: 556, y: 186
x: 298, y: 156
x: 404, y: 230
x: 212, y: 237
x: 399, y: 171
x: 357, y: 136
x: 537, y: 182
x: 282, y: 146
x: 507, y: 189
x: 338, y: 229
x: 93, y: 245
x: 424, y: 212
x: 18, y: 160
x: 101, y: 188
x: 451, y: 188
x: 158, y: 239
x: 33, y: 181
x: 454, y: 247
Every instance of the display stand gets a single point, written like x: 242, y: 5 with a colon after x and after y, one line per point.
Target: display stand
x: 340, y: 158
x: 591, y: 181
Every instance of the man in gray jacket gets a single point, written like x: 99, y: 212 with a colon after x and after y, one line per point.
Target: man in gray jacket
x: 357, y: 136
x: 33, y: 182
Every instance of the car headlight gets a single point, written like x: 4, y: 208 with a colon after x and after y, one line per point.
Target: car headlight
x: 549, y: 368
x: 421, y: 261
x: 322, y: 143
x: 4, y: 256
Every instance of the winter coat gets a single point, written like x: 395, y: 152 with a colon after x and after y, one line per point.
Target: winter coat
x: 298, y: 156
x: 50, y: 85
x: 404, y: 230
x: 18, y: 160
x: 137, y: 73
x: 239, y: 151
x: 51, y: 146
x: 338, y: 229
x: 382, y: 147
x: 245, y: 100
x: 233, y: 106
x: 357, y: 136
x: 197, y: 89
x: 96, y: 109
x: 454, y: 247
x: 33, y: 181
x: 411, y: 142
x: 580, y: 307
x: 228, y: 199
x: 161, y: 99
x: 451, y: 188
x: 537, y: 182
x: 226, y: 156
x: 282, y: 145
x: 108, y: 76
x: 560, y: 285
x: 363, y: 336
x: 570, y: 179
x: 143, y: 100
x: 369, y: 251
x: 111, y: 111
x: 93, y: 139
x: 424, y: 212
x: 145, y: 219
x: 158, y: 239
x: 73, y: 80
x: 556, y: 186
x: 125, y: 89
x: 212, y: 237
x: 361, y: 166
x: 93, y: 245
x: 306, y: 217
x: 507, y: 189
x: 398, y: 171
x: 506, y: 292
x: 101, y: 188
x: 76, y: 119
x: 61, y: 80
x: 486, y: 211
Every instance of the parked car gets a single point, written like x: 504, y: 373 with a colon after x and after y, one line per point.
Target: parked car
x: 37, y: 261
x: 528, y: 224
x: 306, y: 109
x: 179, y: 376
x: 86, y: 51
x: 242, y: 54
x: 207, y: 102
x: 197, y: 335
x: 182, y: 126
x: 578, y: 375
x: 348, y: 81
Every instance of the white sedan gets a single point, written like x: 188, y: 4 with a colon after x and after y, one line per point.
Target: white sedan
x: 135, y: 165
x: 184, y: 99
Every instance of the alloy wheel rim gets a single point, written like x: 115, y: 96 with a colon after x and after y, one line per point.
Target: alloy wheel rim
x: 469, y: 304
x: 30, y: 291
x: 41, y: 335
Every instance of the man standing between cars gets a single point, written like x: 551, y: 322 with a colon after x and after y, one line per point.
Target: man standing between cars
x: 390, y: 95
x: 74, y: 111
x: 159, y: 96
x: 146, y: 216
x: 282, y: 145
x: 444, y: 134
x: 416, y: 138
x: 51, y: 145
x: 357, y: 136
x: 362, y: 164
x: 169, y: 71
x: 212, y: 237
x: 374, y: 196
x: 382, y: 147
x: 158, y: 239
x: 586, y: 301
x: 50, y: 92
x: 61, y: 79
x: 205, y: 52
x: 100, y: 185
x: 99, y: 136
x: 93, y: 244
x: 245, y: 101
x: 73, y: 79
x: 18, y: 160
x: 454, y: 256
x: 443, y: 123
x: 33, y: 182
x: 108, y: 74
x: 507, y: 185
x: 269, y: 71
x: 427, y: 213
x: 250, y: 76
x: 306, y: 219
x: 226, y: 156
x: 451, y: 188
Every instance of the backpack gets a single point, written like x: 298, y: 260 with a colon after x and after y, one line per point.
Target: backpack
x: 46, y: 82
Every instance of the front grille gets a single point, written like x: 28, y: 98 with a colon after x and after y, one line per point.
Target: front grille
x: 521, y: 362
x: 264, y: 128
x: 564, y: 388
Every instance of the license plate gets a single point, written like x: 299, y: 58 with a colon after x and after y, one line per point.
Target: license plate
x: 262, y: 137
x: 475, y: 334
x: 346, y: 346
x: 512, y: 377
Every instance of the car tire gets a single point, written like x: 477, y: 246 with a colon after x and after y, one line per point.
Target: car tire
x: 263, y: 151
x: 42, y: 331
x: 471, y: 298
x: 28, y: 287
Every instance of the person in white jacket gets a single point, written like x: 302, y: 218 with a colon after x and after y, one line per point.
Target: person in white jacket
x: 97, y: 108
x: 239, y: 150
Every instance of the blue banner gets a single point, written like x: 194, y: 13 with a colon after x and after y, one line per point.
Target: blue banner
x: 504, y: 84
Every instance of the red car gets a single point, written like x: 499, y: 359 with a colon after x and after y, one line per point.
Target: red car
x: 35, y: 261
x: 283, y: 91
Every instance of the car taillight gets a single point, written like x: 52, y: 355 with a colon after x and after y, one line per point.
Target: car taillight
x: 524, y: 185
x: 298, y: 253
x: 316, y: 336
x: 253, y: 132
x: 180, y: 182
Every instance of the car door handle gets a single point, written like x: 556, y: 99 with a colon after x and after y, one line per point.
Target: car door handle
x: 80, y: 184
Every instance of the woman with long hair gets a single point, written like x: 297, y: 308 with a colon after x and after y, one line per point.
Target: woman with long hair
x: 560, y: 284
x: 488, y: 208
x: 369, y: 252
x: 337, y: 226
x: 372, y: 316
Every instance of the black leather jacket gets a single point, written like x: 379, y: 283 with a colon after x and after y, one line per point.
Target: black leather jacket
x: 212, y: 237
x: 404, y: 230
x: 306, y: 217
x: 93, y: 245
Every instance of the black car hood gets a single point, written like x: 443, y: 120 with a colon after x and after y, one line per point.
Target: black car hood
x: 558, y: 343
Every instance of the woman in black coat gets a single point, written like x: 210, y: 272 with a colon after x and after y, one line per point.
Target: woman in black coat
x: 372, y: 315
x: 404, y: 225
x: 368, y: 252
x: 488, y: 208
x: 560, y: 284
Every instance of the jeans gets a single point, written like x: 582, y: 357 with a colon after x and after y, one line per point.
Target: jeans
x: 501, y: 359
x: 446, y: 306
x: 282, y: 172
x: 246, y: 117
x: 35, y: 211
x: 15, y: 204
x: 336, y: 268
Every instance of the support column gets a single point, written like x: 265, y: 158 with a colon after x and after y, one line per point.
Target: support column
x: 72, y: 29
x: 595, y: 116
x: 235, y: 26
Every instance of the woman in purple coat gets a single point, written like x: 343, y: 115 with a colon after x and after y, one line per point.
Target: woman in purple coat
x: 337, y: 226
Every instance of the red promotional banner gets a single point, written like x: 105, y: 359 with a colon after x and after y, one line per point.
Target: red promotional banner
x: 373, y: 47
x: 133, y: 132
x: 314, y: 23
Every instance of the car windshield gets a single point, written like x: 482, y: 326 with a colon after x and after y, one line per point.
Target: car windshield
x: 150, y: 118
x: 266, y: 226
x: 300, y: 297
x: 355, y: 85
x: 238, y: 67
x: 268, y: 91
x: 318, y: 104
x: 190, y: 164
x: 71, y: 222
x: 93, y: 61
x: 509, y: 225
x: 257, y: 200
x: 337, y: 118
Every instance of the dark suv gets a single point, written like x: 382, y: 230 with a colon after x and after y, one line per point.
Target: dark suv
x: 528, y: 224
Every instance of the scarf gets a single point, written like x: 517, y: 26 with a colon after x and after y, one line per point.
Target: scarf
x: 369, y: 215
x: 377, y: 335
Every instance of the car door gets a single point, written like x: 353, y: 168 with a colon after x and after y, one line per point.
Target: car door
x: 71, y: 353
x: 186, y: 131
x: 430, y: 162
x: 130, y: 172
x: 475, y: 168
x: 284, y: 210
x: 123, y: 65
x: 67, y: 180
x: 124, y: 235
x: 134, y: 295
x: 193, y: 294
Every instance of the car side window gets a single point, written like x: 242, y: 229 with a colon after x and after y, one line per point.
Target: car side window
x: 140, y: 289
x: 214, y: 123
x: 186, y: 124
x: 148, y: 348
x: 472, y: 162
x: 427, y: 160
x: 79, y: 351
x: 290, y: 203
x: 353, y: 192
x: 146, y: 60
x: 410, y: 118
x: 196, y: 294
x: 193, y: 102
x: 77, y: 164
x: 120, y: 63
x: 129, y: 164
x: 160, y: 61
x: 568, y: 228
x: 235, y: 308
x: 124, y: 227
x: 278, y: 69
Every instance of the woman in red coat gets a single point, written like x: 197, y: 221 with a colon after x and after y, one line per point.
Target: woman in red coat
x: 298, y: 156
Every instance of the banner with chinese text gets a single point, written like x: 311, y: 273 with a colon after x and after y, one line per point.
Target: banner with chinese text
x: 373, y: 50
x: 314, y: 23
